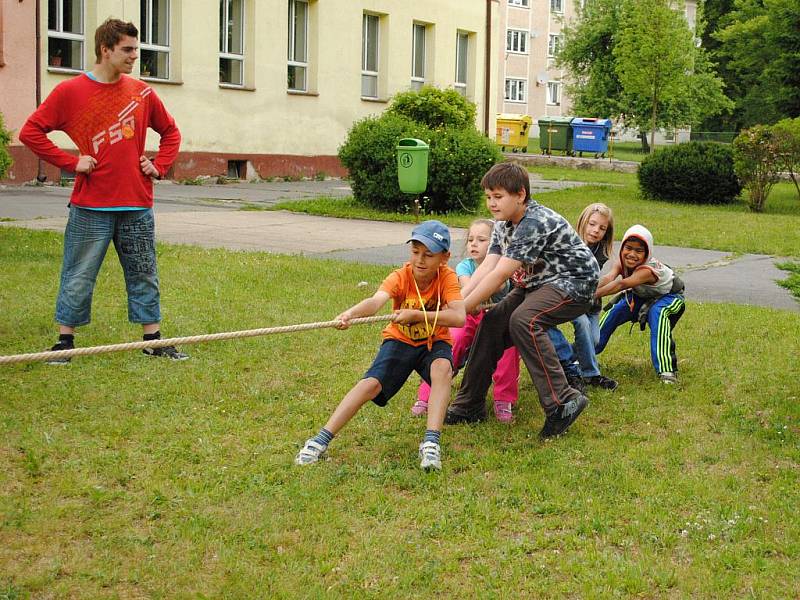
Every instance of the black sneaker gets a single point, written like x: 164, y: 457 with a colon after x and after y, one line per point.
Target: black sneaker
x: 576, y: 382
x: 559, y: 422
x: 454, y: 418
x: 602, y: 381
x: 61, y: 345
x: 170, y: 352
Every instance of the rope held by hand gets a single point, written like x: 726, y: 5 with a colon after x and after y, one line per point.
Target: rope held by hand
x: 193, y: 339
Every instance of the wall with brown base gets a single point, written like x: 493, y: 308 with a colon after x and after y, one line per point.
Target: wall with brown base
x: 195, y: 164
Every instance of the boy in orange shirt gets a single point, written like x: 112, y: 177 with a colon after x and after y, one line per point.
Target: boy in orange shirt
x: 426, y: 298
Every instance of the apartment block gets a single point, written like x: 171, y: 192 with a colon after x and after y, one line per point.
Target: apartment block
x: 262, y: 87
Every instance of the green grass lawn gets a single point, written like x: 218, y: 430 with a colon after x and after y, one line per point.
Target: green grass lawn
x: 123, y: 476
x: 732, y: 228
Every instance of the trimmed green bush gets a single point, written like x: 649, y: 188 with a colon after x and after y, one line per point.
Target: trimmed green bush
x: 435, y: 108
x: 695, y: 172
x: 757, y: 163
x: 5, y: 155
x: 459, y: 154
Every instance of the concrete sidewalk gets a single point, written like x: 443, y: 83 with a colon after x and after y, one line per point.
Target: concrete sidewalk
x: 209, y: 216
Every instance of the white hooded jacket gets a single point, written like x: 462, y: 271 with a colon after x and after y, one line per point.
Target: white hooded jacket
x: 664, y: 274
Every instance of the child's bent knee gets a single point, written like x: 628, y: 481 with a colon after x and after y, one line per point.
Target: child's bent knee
x: 371, y: 386
x: 441, y: 369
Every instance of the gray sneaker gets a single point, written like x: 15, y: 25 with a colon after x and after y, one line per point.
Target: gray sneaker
x: 430, y: 454
x: 668, y: 377
x: 565, y: 415
x: 310, y: 453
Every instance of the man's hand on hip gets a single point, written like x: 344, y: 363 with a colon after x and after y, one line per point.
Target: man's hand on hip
x: 86, y: 164
x: 147, y: 167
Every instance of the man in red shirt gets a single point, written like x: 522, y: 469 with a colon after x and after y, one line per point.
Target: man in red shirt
x: 106, y: 114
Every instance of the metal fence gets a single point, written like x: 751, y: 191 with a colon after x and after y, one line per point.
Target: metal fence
x: 725, y: 137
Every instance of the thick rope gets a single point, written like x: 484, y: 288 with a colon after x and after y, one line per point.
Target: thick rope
x: 192, y: 339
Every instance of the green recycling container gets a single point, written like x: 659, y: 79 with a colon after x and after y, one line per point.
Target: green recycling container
x: 412, y: 165
x: 555, y: 133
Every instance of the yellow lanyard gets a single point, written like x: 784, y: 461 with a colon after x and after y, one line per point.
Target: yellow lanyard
x: 428, y: 330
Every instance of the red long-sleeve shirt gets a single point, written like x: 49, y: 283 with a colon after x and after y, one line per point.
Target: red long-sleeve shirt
x: 108, y: 121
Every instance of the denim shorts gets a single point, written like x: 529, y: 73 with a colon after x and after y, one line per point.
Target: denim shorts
x: 397, y: 360
x: 86, y: 240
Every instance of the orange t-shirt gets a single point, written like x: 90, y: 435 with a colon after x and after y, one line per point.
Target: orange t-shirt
x: 400, y: 286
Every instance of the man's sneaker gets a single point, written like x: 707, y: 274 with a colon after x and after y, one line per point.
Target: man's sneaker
x: 170, y: 352
x: 565, y: 415
x: 61, y: 345
x: 419, y: 408
x: 602, y: 381
x: 430, y: 456
x: 668, y: 377
x: 310, y: 453
x: 454, y: 418
x: 502, y: 410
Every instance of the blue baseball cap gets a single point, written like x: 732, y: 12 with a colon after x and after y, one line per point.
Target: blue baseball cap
x: 434, y: 234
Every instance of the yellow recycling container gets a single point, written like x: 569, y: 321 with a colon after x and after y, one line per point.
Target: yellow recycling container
x: 512, y: 132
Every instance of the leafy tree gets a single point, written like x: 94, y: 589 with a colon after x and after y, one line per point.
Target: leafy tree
x: 787, y: 145
x: 756, y: 162
x: 759, y: 46
x: 5, y: 156
x: 636, y: 60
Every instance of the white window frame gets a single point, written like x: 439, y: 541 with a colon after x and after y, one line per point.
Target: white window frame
x: 517, y: 41
x: 59, y: 33
x: 365, y: 72
x: 553, y: 44
x: 225, y: 50
x: 147, y: 33
x: 418, y: 79
x: 557, y: 6
x: 522, y: 3
x: 516, y: 90
x: 292, y: 58
x: 462, y: 59
x: 553, y: 93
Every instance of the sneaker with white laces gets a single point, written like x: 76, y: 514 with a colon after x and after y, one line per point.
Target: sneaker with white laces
x: 419, y: 408
x: 170, y: 352
x: 668, y: 377
x: 565, y: 415
x: 310, y: 453
x: 430, y: 454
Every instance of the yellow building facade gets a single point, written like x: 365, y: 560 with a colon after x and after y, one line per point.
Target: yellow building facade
x: 271, y: 87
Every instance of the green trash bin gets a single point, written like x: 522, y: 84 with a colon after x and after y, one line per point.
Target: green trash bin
x: 412, y: 165
x: 555, y: 133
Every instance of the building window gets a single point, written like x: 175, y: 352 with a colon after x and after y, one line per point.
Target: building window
x: 231, y: 42
x: 553, y: 44
x: 462, y: 62
x: 154, y: 34
x: 298, y: 45
x: 418, y: 56
x: 517, y: 41
x: 518, y: 2
x: 65, y: 34
x: 369, y: 56
x: 554, y: 93
x: 557, y: 6
x: 516, y: 90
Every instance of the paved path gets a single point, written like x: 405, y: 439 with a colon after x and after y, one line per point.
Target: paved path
x: 209, y: 216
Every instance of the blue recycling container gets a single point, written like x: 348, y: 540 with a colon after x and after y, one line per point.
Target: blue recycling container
x: 590, y: 135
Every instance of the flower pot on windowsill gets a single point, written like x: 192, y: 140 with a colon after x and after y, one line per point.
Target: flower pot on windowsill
x: 145, y: 73
x: 55, y: 61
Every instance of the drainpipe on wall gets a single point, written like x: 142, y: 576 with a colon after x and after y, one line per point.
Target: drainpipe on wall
x: 41, y: 176
x: 487, y: 67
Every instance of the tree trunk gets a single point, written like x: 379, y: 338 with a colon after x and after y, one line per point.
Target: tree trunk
x: 653, y: 130
x: 645, y: 145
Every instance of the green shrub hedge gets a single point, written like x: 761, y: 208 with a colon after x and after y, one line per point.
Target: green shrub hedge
x: 459, y: 154
x: 695, y: 172
x: 5, y: 155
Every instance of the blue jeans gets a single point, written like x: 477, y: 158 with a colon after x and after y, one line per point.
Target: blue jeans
x: 86, y: 241
x: 587, y: 335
